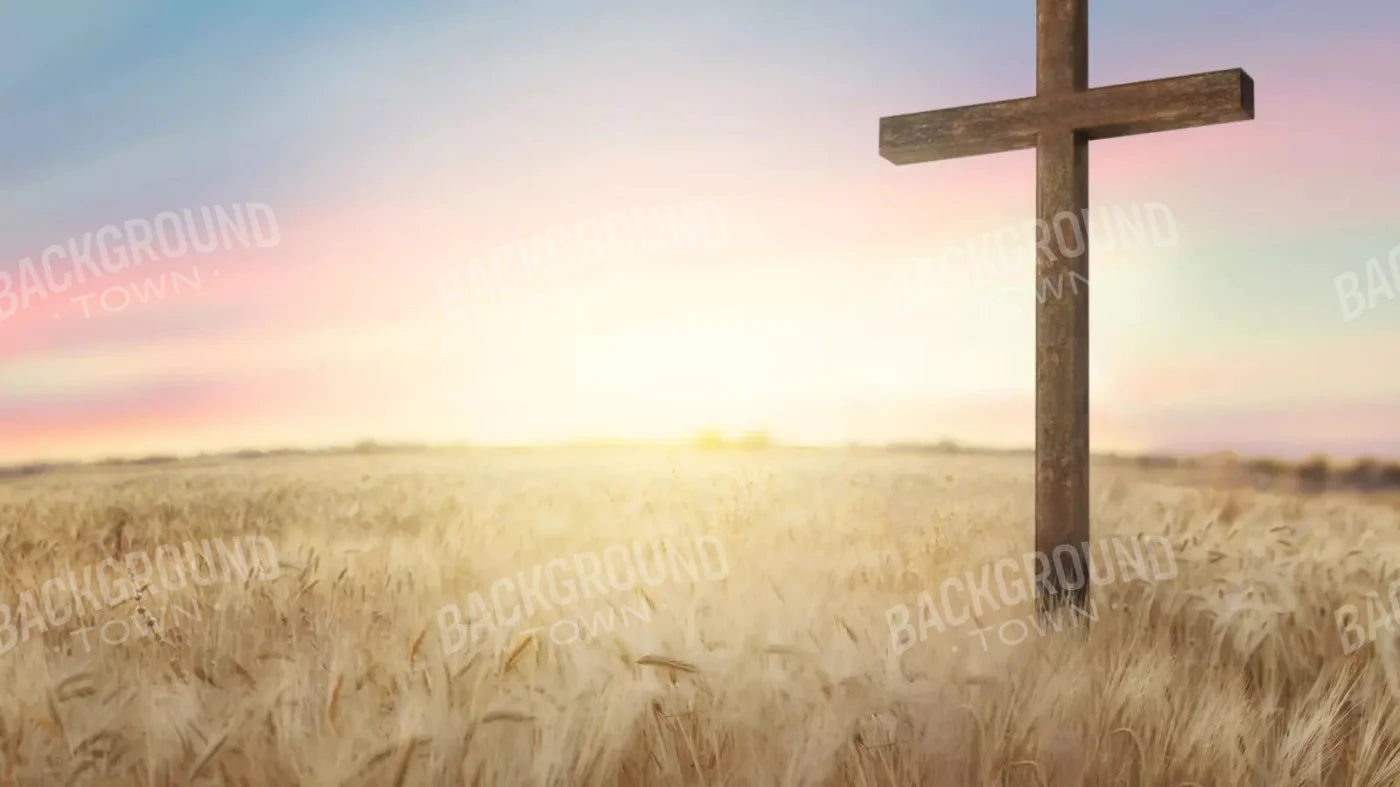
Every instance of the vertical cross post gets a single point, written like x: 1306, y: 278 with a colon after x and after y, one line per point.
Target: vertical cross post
x: 1062, y: 321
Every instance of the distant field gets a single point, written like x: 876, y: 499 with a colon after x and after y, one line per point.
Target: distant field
x: 465, y: 618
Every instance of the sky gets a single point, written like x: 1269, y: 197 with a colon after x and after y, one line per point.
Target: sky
x: 542, y: 221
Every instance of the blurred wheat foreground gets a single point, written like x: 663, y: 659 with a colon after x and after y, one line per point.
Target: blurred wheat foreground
x: 334, y: 662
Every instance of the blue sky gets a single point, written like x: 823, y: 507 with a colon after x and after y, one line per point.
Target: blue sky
x: 398, y: 141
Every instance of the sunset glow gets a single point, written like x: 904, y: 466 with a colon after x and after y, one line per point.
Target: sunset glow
x: 396, y: 153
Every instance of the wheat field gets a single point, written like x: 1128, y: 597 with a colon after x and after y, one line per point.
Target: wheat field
x: 333, y: 665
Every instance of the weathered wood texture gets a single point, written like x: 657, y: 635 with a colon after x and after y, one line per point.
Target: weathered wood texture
x: 1061, y: 46
x: 1062, y: 357
x: 1059, y: 121
x: 1101, y: 113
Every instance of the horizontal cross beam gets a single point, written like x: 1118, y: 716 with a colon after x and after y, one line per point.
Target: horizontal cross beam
x: 1099, y: 113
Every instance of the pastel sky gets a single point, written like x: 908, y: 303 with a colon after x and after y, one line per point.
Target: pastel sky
x: 395, y: 143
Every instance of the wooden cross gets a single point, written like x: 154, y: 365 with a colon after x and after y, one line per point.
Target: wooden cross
x: 1058, y: 121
